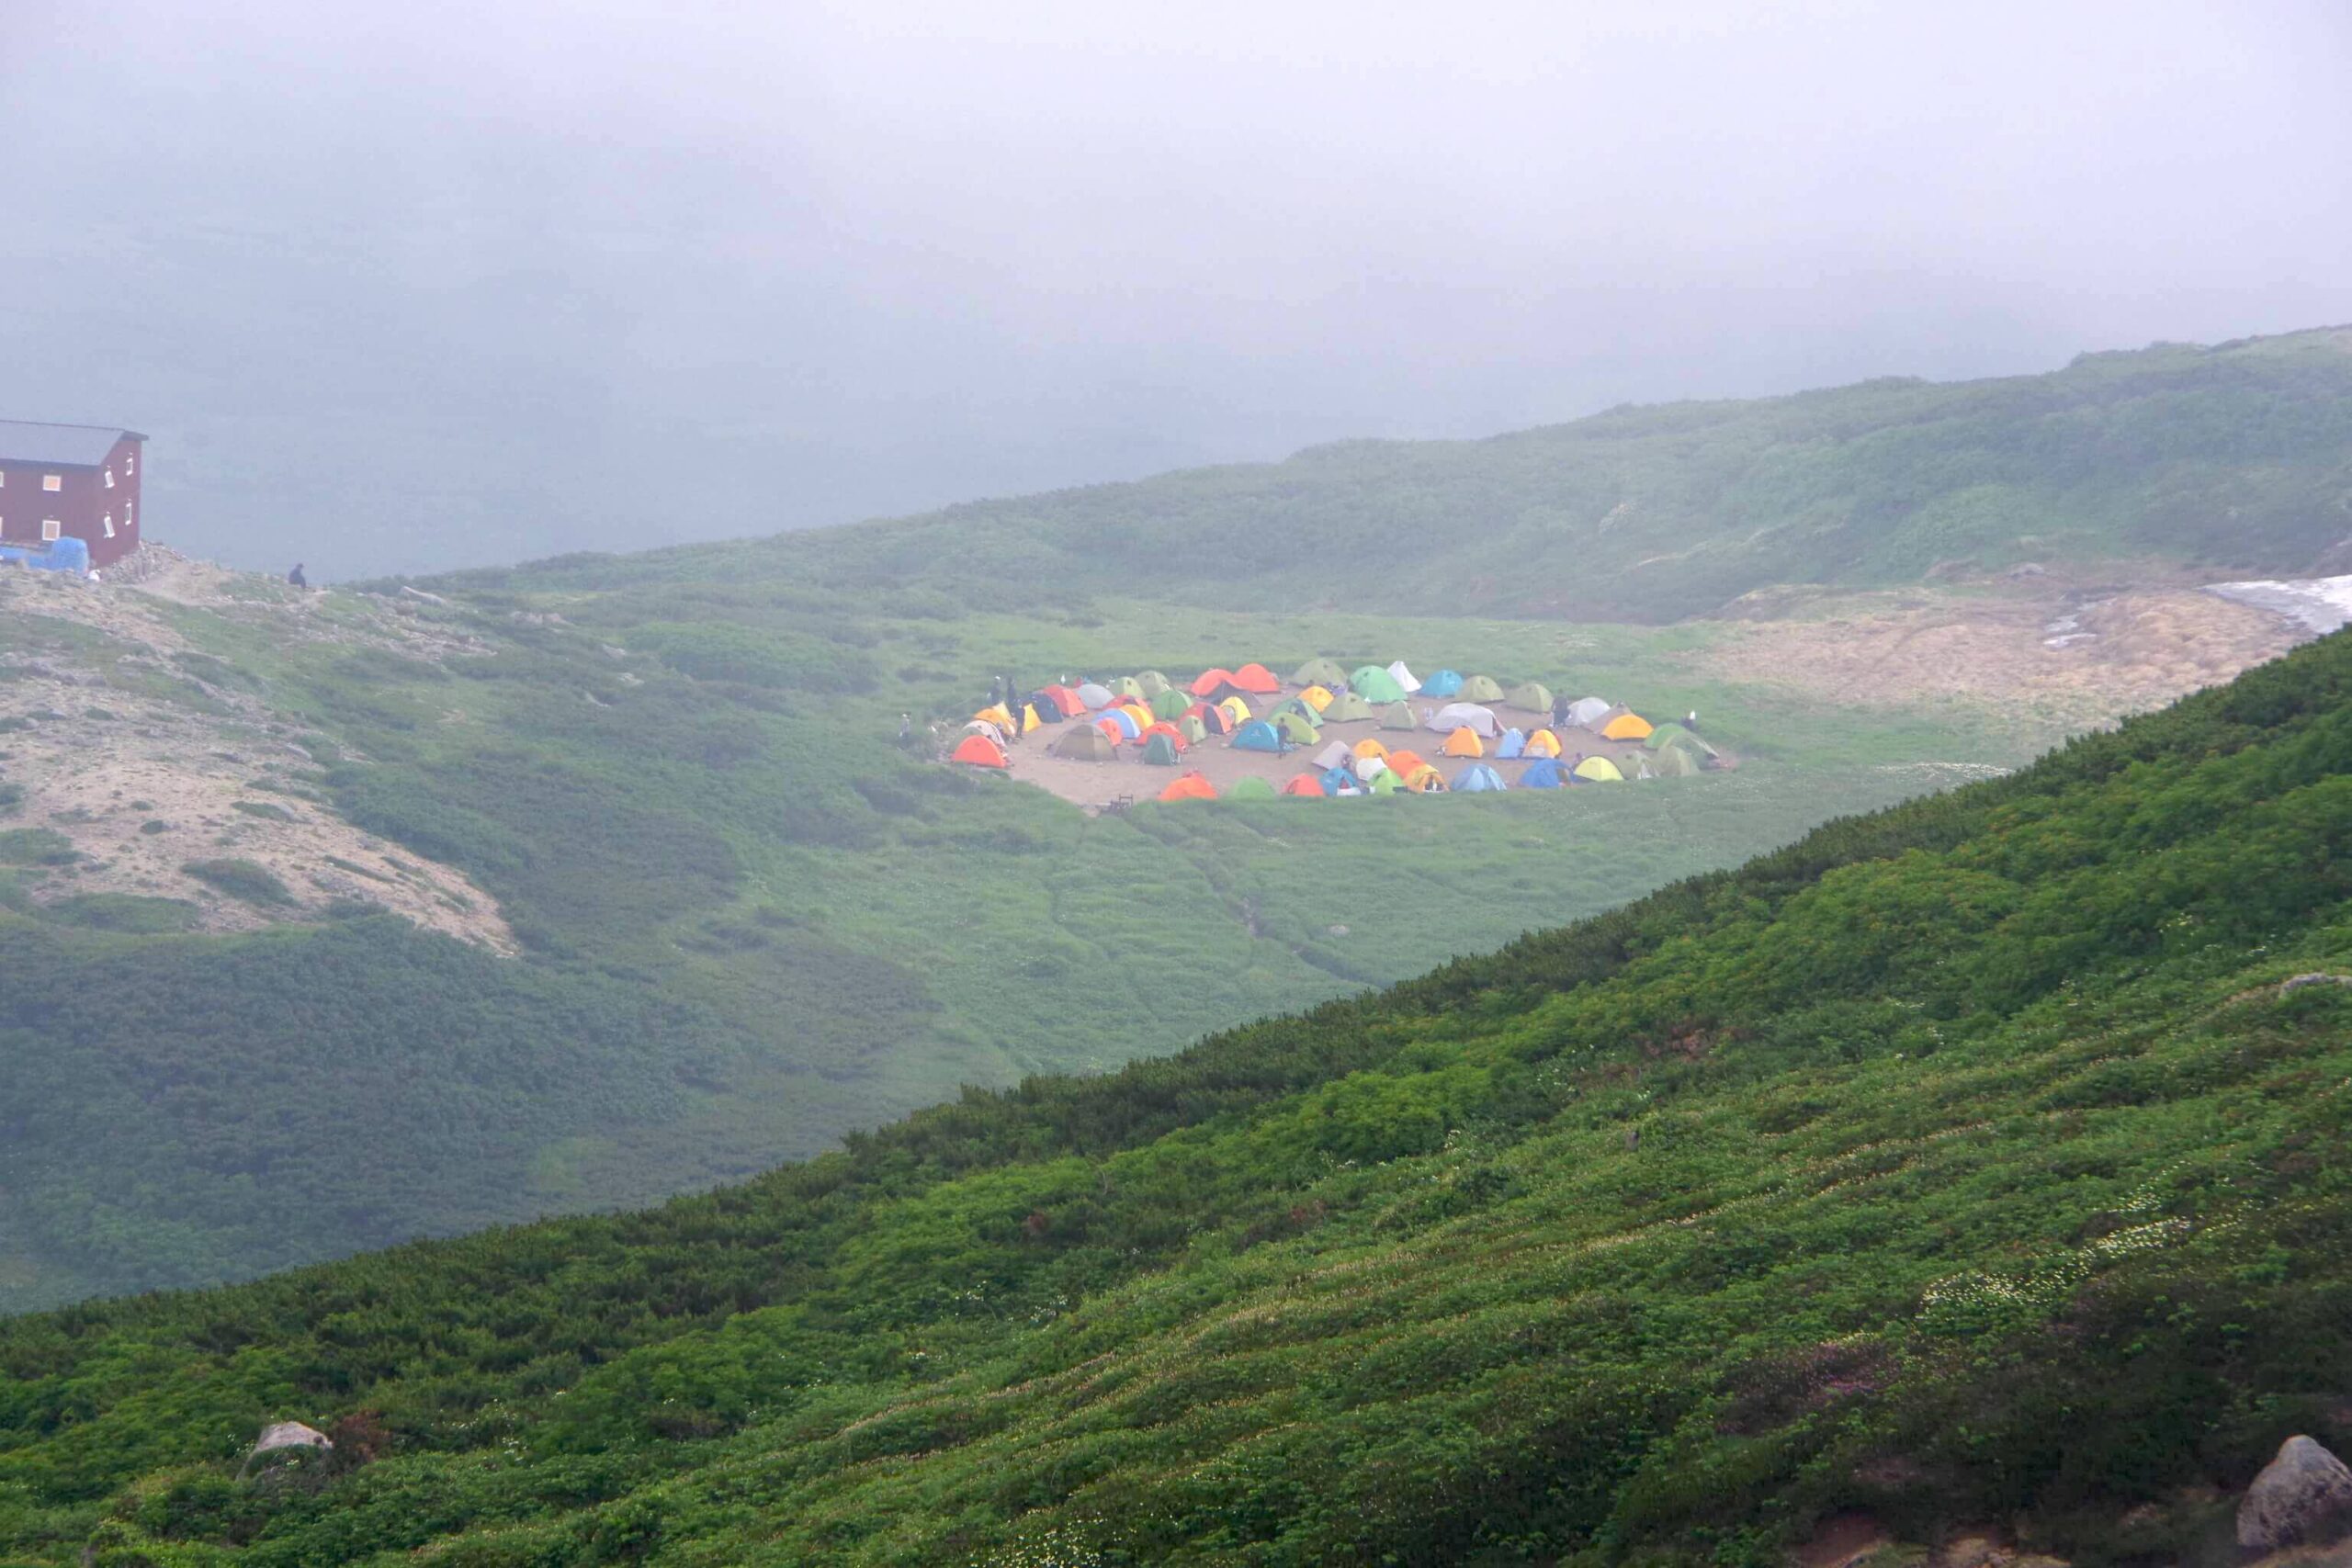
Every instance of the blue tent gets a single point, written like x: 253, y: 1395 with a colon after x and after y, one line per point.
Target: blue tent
x: 1513, y: 745
x: 1478, y: 779
x: 1445, y: 683
x: 1258, y: 736
x: 1545, y: 772
x: 1341, y: 781
x: 1125, y: 720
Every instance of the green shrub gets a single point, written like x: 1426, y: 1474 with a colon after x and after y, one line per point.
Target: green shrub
x: 240, y: 879
x: 36, y: 846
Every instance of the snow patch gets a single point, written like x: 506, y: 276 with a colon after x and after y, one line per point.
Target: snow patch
x: 2322, y: 603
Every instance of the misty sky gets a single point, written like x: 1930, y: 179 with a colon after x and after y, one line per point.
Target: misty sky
x: 407, y: 287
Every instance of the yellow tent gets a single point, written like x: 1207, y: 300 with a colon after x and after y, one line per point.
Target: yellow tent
x: 1627, y: 726
x: 1140, y: 714
x: 1464, y: 742
x: 1543, y: 743
x: 1236, y: 709
x: 1029, y: 720
x: 1368, y: 747
x: 1425, y: 779
x: 1316, y: 697
x: 995, y: 713
x: 1598, y: 770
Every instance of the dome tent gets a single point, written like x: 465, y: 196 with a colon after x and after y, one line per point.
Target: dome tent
x: 1210, y: 680
x: 1545, y: 773
x: 1305, y: 787
x: 1257, y: 678
x: 1092, y: 696
x: 1192, y: 729
x: 1167, y: 701
x: 1085, y: 743
x: 1348, y: 708
x: 1161, y: 751
x: 1534, y: 696
x: 1445, y: 683
x: 1336, y: 754
x: 1478, y: 779
x: 1674, y: 762
x: 1251, y: 787
x: 1480, y: 689
x: 1317, y: 697
x: 1295, y: 728
x: 1543, y: 743
x: 1626, y: 725
x: 1258, y: 736
x: 1151, y: 683
x: 1512, y: 747
x: 1404, y: 677
x: 1425, y: 779
x: 1128, y: 686
x: 1369, y: 745
x: 1464, y: 742
x: 1318, y: 673
x: 1400, y: 716
x: 1598, y: 770
x: 1374, y: 684
x: 1189, y: 786
x: 1588, y: 711
x: 1467, y: 715
x: 1383, y: 782
x: 979, y: 751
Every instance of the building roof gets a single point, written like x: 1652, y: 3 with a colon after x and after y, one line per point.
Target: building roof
x: 67, y: 445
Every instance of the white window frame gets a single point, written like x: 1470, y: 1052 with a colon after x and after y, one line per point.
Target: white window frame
x: 130, y: 515
x: 52, y: 530
x: 108, y: 520
x: 53, y: 483
x: 130, y: 462
x: 110, y: 474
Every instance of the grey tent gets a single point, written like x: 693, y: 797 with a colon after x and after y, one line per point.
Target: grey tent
x: 1465, y: 715
x: 1336, y: 754
x: 1086, y: 743
x: 1590, y: 712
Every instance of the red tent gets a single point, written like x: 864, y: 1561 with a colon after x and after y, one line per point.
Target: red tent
x: 1207, y: 684
x: 1306, y: 784
x: 1065, y: 699
x: 1216, y: 720
x: 980, y: 752
x: 1256, y: 678
x: 1170, y: 731
x: 1110, y: 727
x: 1192, y: 786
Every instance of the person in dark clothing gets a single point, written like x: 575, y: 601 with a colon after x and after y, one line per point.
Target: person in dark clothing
x: 296, y: 577
x: 1559, y: 712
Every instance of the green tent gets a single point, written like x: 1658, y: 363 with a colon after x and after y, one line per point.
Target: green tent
x: 1398, y: 715
x: 1384, y: 782
x: 1169, y: 703
x: 1161, y: 751
x: 1086, y: 743
x: 1673, y: 737
x: 1374, y: 684
x: 1191, y: 727
x: 1348, y: 709
x: 1481, y: 689
x: 1298, y: 705
x: 1674, y: 762
x: 1152, y: 682
x: 1319, y: 673
x: 1294, y: 727
x: 1128, y: 686
x: 1252, y: 787
x: 1531, y: 695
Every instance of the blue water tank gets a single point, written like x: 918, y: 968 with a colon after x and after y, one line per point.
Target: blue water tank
x: 58, y: 554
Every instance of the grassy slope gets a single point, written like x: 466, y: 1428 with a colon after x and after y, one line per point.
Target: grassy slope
x: 753, y: 924
x: 1984, y: 1171
x: 2233, y: 458
x: 764, y: 928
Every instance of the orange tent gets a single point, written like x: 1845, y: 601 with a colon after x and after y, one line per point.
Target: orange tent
x: 1464, y: 742
x: 1370, y: 747
x: 980, y: 752
x: 1403, y: 763
x: 1316, y: 697
x: 1170, y: 731
x: 1192, y: 786
x: 1210, y: 682
x: 1627, y: 726
x: 1257, y: 678
x: 1140, y: 714
x: 1306, y: 784
x: 1425, y: 779
x: 1543, y: 743
x: 996, y: 714
x: 1065, y: 699
x: 1110, y: 727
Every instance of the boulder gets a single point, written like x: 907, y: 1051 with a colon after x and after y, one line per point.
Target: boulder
x: 2304, y: 1494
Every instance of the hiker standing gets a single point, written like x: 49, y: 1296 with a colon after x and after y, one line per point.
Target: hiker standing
x: 296, y: 577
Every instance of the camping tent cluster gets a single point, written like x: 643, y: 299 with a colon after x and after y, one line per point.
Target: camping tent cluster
x: 1160, y: 722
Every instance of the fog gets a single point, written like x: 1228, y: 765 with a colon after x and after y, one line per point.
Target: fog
x: 435, y: 284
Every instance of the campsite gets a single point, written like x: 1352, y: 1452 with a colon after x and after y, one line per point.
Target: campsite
x: 1327, y: 730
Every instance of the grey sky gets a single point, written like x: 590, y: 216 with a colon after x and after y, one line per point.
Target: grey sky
x: 422, y: 285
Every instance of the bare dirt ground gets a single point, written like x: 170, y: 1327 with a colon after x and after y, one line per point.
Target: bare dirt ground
x: 2076, y: 654
x: 1099, y: 783
x: 125, y: 748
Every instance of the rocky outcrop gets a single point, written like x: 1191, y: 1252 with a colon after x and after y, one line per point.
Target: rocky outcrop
x: 279, y: 1436
x: 2303, y: 1496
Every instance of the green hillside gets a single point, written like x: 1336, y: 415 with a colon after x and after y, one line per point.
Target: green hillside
x: 2234, y: 459
x: 748, y: 922
x: 1980, y: 1160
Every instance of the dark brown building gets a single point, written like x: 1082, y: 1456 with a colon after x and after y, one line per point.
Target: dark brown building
x: 71, y: 481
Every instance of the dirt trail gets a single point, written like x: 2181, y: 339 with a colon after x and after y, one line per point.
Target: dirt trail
x: 118, y: 735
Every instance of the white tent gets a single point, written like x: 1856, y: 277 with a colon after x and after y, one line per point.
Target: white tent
x: 1465, y: 715
x: 982, y: 727
x: 1370, y: 768
x: 1095, y: 696
x: 1404, y: 677
x: 1335, y: 755
x: 1588, y: 711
